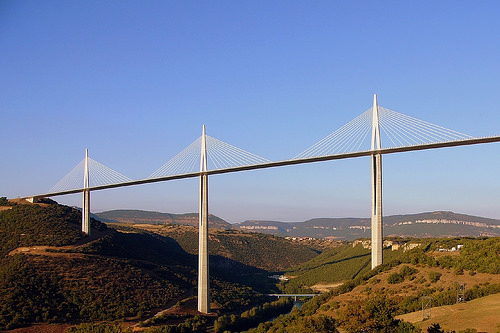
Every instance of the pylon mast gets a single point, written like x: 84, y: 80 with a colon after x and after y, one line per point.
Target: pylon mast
x: 86, y: 197
x: 377, y: 225
x: 203, y: 269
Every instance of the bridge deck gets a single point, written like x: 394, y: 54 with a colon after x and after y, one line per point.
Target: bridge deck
x: 281, y: 163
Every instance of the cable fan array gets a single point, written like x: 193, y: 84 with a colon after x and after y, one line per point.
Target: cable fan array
x: 397, y: 128
x: 220, y: 155
x: 99, y: 175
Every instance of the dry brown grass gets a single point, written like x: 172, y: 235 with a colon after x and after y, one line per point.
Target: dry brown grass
x: 46, y: 251
x: 324, y: 287
x: 411, y: 288
x: 26, y: 202
x: 378, y: 285
x: 483, y: 314
x: 42, y: 328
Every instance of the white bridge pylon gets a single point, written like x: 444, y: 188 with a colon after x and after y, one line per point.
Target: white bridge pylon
x: 396, y: 128
x: 219, y: 155
x: 86, y: 174
x: 206, y: 152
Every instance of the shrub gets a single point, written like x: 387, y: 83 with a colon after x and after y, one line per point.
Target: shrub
x: 395, y: 278
x: 407, y: 271
x: 435, y: 328
x: 434, y: 276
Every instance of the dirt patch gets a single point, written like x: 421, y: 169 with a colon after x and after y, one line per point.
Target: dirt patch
x: 49, y: 251
x: 438, y: 254
x: 43, y: 328
x: 325, y: 287
x: 5, y: 208
x: 60, y: 251
x: 26, y: 202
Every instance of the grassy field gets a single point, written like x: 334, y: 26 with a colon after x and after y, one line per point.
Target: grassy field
x: 483, y: 314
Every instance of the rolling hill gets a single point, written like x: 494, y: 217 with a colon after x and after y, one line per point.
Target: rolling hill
x: 431, y: 224
x: 371, y: 301
x: 266, y: 252
x: 50, y: 272
x: 152, y: 217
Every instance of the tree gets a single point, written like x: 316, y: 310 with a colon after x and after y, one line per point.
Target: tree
x: 372, y: 315
x: 435, y: 328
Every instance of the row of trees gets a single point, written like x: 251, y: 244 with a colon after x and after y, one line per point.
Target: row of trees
x: 252, y: 317
x: 476, y: 255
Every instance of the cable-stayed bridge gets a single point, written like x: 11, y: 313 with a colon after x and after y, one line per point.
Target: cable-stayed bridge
x: 363, y: 136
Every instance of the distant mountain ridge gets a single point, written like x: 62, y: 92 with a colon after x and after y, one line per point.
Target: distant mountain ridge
x: 428, y: 224
x: 152, y: 217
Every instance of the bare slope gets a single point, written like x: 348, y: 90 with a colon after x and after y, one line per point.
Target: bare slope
x: 481, y: 314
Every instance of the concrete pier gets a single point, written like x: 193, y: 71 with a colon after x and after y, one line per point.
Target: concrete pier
x: 203, y: 269
x: 86, y: 197
x: 377, y: 223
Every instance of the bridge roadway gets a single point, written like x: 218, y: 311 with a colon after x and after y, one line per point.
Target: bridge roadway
x: 384, y: 151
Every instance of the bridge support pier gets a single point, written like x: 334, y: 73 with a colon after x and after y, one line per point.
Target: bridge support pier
x: 203, y: 267
x: 86, y: 197
x: 377, y: 223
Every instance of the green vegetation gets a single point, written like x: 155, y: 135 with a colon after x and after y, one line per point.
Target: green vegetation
x: 434, y: 276
x: 117, y: 275
x: 252, y: 317
x: 53, y: 289
x: 376, y: 313
x: 405, y: 273
x: 435, y: 328
x: 233, y: 297
x: 28, y: 225
x: 98, y: 328
x: 192, y: 325
x: 114, y: 276
x: 373, y: 315
x: 295, y: 323
x: 152, y: 217
x: 258, y: 250
x: 339, y: 264
x: 479, y: 255
x: 5, y: 202
x: 140, y: 246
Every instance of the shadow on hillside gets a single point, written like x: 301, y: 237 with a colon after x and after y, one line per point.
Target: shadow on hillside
x: 140, y: 246
x: 340, y: 260
x: 163, y: 250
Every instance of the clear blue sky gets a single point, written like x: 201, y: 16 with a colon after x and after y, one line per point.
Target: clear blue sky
x: 135, y: 80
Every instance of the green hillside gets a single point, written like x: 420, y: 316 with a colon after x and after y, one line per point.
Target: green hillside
x: 66, y: 289
x: 26, y: 225
x: 51, y: 272
x: 152, y: 217
x: 332, y: 266
x: 266, y: 252
x: 371, y: 301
